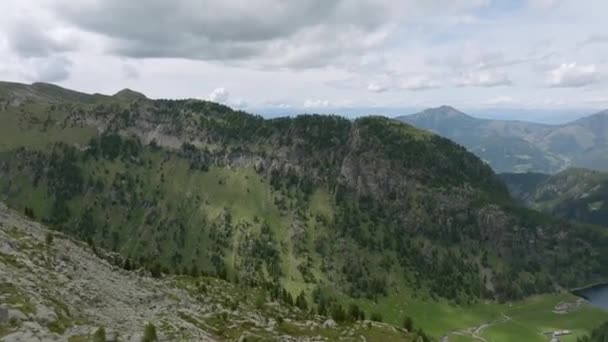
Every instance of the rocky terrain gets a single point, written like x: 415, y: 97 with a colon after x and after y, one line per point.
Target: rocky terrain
x: 54, y: 288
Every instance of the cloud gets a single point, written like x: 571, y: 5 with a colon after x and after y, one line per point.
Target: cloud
x: 31, y: 40
x: 130, y: 71
x: 418, y: 83
x: 54, y: 69
x: 377, y: 88
x: 317, y: 103
x: 543, y: 4
x: 220, y: 95
x: 501, y: 101
x: 271, y: 33
x: 573, y: 75
x: 594, y: 39
x: 406, y: 82
x: 484, y: 78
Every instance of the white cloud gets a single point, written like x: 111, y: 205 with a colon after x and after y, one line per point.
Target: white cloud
x: 417, y: 83
x: 483, y: 78
x: 317, y: 103
x: 573, y: 75
x: 544, y: 4
x: 501, y: 101
x: 220, y: 95
x: 377, y: 88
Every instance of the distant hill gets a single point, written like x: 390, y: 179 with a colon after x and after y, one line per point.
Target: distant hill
x: 573, y: 194
x: 517, y: 146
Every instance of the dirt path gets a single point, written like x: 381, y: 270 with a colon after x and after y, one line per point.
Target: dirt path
x: 475, y: 332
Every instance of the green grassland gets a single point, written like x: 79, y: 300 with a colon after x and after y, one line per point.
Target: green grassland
x: 524, y: 320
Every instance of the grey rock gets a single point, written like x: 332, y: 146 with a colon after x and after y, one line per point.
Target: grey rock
x: 45, y: 315
x: 16, y: 315
x: 20, y: 336
x: 330, y: 323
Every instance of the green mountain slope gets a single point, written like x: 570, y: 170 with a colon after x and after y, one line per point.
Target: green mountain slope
x: 57, y: 289
x: 315, y: 204
x: 516, y: 146
x: 574, y: 194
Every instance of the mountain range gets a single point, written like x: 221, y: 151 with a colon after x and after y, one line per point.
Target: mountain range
x: 322, y: 212
x: 518, y: 146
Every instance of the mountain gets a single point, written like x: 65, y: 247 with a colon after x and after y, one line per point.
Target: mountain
x: 55, y: 288
x: 320, y: 207
x: 517, y: 146
x: 573, y: 194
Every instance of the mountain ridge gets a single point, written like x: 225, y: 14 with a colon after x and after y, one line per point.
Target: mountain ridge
x: 520, y: 146
x: 318, y: 207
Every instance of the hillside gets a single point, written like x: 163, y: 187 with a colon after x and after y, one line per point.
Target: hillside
x: 318, y: 207
x: 56, y: 288
x: 516, y: 146
x: 573, y: 194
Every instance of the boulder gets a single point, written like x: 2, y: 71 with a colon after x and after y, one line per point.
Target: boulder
x: 16, y: 315
x: 330, y: 323
x: 45, y: 315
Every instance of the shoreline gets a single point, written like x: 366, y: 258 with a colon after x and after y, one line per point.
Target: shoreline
x: 588, y: 287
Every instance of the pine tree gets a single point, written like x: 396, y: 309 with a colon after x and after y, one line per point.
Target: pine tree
x: 149, y: 333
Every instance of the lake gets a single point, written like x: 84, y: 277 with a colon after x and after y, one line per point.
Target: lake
x: 596, y: 295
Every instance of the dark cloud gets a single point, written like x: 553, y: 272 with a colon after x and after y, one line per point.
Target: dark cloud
x: 297, y: 34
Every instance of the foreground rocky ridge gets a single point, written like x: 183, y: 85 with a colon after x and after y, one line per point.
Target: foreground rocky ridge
x: 54, y: 288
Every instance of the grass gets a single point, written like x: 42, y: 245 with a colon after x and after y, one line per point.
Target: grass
x: 23, y: 127
x: 16, y: 299
x: 529, y: 318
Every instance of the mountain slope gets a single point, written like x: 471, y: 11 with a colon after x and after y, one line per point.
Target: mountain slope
x: 55, y: 288
x: 516, y: 146
x: 573, y: 194
x: 313, y: 204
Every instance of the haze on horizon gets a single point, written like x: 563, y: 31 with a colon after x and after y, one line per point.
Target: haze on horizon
x: 537, y: 60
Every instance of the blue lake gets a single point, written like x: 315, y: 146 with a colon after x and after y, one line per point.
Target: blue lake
x: 596, y: 295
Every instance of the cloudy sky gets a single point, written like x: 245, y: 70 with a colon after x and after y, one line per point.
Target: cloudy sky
x: 318, y: 55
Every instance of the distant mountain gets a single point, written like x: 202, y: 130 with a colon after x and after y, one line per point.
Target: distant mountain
x: 573, y: 194
x: 518, y: 146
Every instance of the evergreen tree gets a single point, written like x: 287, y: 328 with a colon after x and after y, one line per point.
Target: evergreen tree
x: 149, y: 333
x: 100, y: 335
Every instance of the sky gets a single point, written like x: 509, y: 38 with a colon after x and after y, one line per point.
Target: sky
x: 522, y: 59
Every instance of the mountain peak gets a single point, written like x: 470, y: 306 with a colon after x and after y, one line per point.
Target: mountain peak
x: 129, y: 94
x: 445, y: 110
